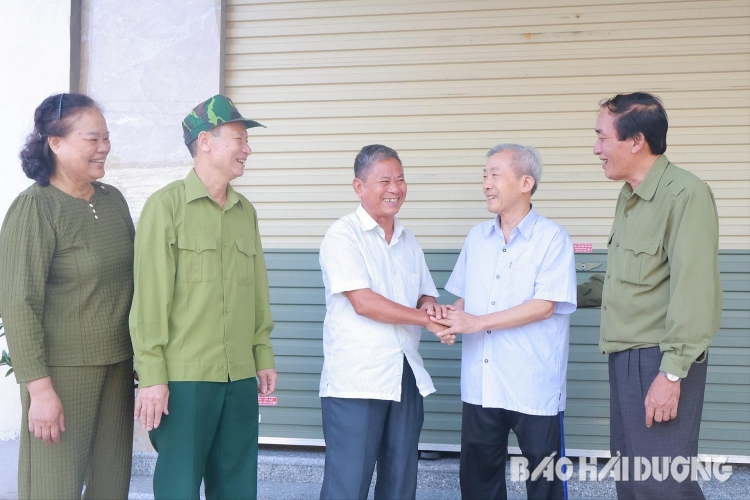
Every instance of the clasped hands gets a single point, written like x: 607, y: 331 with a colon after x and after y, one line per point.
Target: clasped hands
x: 448, y: 320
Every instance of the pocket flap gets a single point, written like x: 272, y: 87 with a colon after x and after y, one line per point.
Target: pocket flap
x: 196, y: 242
x: 649, y: 247
x: 245, y: 247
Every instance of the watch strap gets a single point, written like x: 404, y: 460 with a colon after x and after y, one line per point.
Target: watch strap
x: 670, y: 377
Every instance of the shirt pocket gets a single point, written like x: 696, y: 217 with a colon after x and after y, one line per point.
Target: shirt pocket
x: 406, y: 288
x: 642, y: 261
x: 196, y: 258
x: 244, y: 264
x: 411, y: 286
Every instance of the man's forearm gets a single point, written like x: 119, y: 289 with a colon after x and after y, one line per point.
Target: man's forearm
x: 523, y: 314
x: 378, y: 308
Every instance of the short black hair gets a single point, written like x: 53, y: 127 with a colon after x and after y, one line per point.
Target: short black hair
x: 639, y: 113
x: 52, y: 118
x: 370, y: 155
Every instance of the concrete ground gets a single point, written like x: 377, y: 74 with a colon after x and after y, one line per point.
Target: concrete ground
x: 286, y: 473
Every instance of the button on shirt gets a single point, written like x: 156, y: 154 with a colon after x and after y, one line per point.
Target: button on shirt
x: 663, y: 285
x: 364, y: 357
x: 201, y: 308
x: 520, y: 369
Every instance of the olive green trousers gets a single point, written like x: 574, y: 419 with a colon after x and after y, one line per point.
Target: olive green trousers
x: 96, y: 448
x: 211, y: 433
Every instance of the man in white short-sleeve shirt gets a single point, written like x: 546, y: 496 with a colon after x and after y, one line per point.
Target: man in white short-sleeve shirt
x: 379, y: 293
x: 515, y: 279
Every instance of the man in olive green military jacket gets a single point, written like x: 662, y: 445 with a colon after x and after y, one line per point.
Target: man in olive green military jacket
x: 201, y: 319
x: 662, y: 296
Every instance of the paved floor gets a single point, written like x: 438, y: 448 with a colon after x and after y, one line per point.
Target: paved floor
x: 294, y: 474
x: 274, y: 490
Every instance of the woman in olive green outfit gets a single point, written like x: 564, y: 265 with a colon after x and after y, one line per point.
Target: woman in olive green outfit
x: 66, y: 282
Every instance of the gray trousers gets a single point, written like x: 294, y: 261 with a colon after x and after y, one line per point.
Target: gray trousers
x: 631, y: 373
x: 361, y: 432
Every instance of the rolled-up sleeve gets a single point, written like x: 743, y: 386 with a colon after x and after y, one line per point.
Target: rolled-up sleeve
x: 27, y: 245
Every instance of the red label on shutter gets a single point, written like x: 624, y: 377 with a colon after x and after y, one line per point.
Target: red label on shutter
x: 267, y: 401
x: 583, y: 247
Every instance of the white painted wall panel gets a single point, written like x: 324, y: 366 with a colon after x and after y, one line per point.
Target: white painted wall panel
x: 35, y: 62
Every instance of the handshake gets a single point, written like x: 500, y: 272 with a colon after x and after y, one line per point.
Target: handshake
x: 445, y: 321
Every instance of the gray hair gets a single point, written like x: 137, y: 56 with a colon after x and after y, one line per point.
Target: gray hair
x: 370, y: 155
x: 526, y: 161
x: 193, y: 145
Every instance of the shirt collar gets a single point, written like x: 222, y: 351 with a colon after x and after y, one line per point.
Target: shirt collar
x: 524, y: 227
x: 647, y: 188
x: 232, y: 197
x: 195, y: 189
x: 367, y: 223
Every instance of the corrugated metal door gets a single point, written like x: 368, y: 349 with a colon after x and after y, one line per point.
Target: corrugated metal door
x: 443, y: 81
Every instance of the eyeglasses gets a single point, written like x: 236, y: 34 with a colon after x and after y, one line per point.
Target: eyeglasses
x: 59, y: 107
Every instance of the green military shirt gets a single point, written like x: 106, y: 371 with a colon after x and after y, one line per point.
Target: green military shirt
x: 662, y: 286
x: 201, y: 308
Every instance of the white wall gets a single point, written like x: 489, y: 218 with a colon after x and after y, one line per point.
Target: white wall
x: 148, y: 64
x: 34, y: 62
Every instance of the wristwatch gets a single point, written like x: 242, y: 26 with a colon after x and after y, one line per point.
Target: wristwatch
x: 670, y: 377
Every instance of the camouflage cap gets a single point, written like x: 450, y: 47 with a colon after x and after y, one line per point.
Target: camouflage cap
x: 210, y: 114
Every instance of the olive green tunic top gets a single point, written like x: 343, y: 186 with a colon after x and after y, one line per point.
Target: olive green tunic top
x: 662, y: 286
x: 201, y: 310
x: 66, y: 279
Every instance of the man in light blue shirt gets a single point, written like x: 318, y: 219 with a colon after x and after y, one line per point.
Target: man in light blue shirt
x: 516, y: 283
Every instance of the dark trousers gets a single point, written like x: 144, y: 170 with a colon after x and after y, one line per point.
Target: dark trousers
x: 211, y: 433
x: 361, y: 432
x: 484, y: 451
x: 631, y: 373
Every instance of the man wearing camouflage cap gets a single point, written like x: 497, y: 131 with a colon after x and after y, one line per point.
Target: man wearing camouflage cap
x: 201, y: 319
